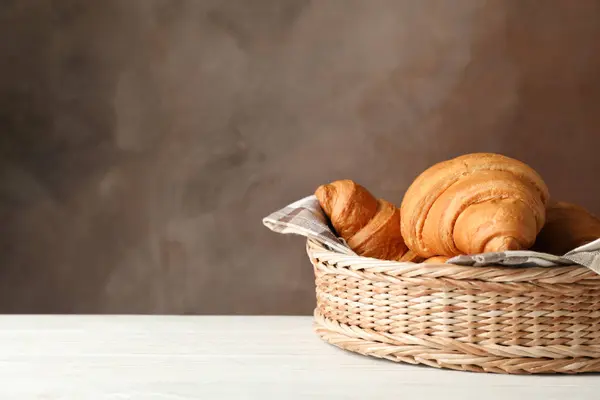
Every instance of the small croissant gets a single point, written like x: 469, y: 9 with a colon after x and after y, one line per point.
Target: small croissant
x: 567, y: 227
x: 370, y: 226
x: 476, y: 203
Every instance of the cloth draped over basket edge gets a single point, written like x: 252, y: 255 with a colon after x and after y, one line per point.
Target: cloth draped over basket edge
x: 306, y: 218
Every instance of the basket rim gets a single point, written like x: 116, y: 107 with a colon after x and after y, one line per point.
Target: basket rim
x: 500, y: 273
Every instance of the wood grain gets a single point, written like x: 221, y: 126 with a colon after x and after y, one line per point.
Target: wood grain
x: 180, y: 358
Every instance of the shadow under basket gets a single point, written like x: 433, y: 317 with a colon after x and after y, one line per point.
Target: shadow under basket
x: 483, y: 319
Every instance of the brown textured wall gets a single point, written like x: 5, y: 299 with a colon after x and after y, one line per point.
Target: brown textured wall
x: 143, y: 140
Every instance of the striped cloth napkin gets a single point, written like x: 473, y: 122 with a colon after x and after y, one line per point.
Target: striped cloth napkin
x: 306, y: 218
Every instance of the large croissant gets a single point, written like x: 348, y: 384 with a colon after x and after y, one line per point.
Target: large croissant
x: 370, y: 226
x: 436, y: 260
x: 567, y: 226
x: 475, y: 203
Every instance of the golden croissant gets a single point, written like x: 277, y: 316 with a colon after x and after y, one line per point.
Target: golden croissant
x: 471, y: 204
x: 436, y: 260
x: 370, y: 226
x: 567, y: 227
x: 411, y: 256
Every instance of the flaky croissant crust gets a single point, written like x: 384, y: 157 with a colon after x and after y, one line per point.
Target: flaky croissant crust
x: 567, y: 227
x: 473, y: 203
x: 370, y: 226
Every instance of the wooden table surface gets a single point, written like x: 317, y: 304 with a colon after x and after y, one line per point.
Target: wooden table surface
x: 178, y: 358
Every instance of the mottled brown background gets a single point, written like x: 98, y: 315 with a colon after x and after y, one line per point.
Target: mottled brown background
x: 142, y: 141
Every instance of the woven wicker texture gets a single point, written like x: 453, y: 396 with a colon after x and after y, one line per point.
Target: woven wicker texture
x: 492, y: 319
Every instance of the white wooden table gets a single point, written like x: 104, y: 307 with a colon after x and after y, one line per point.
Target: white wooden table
x: 178, y: 358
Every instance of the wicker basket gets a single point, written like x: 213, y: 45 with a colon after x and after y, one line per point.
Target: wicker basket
x: 483, y: 319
